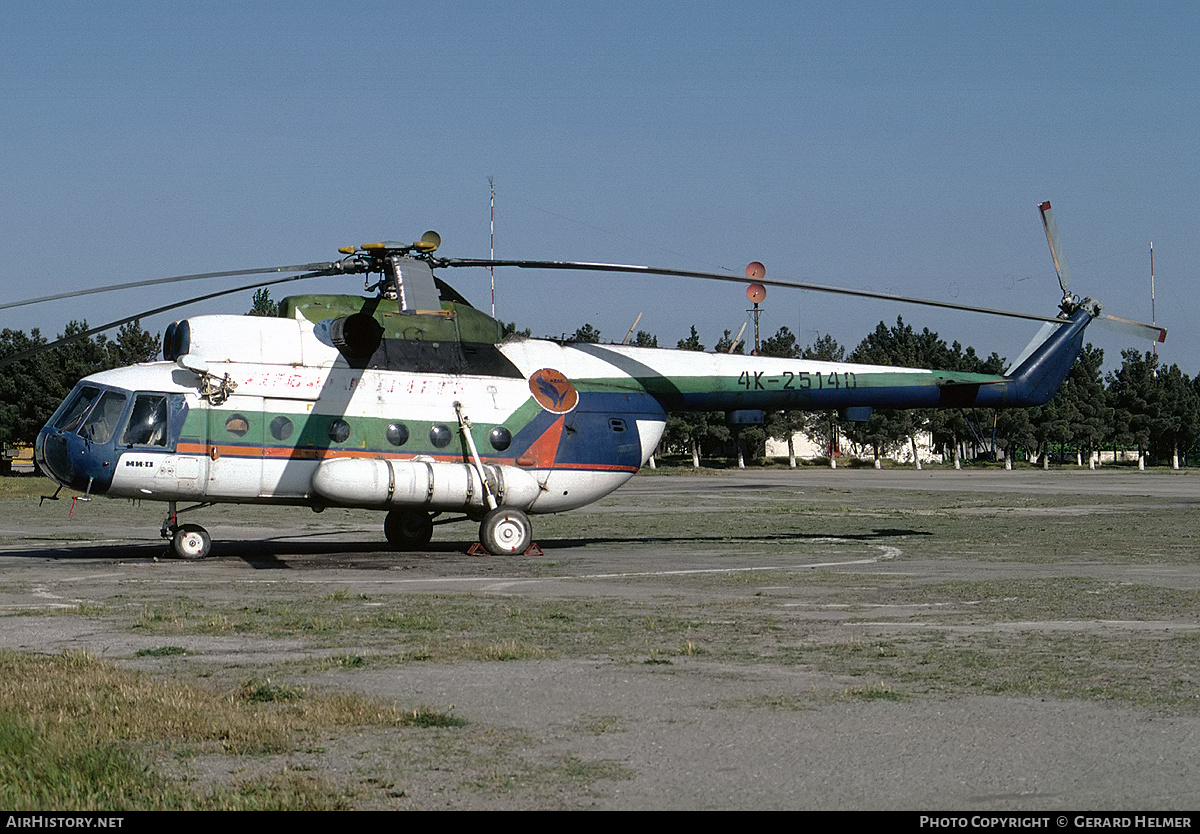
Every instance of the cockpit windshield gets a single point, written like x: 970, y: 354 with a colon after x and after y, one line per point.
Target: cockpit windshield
x: 95, y: 414
x: 102, y: 422
x: 72, y: 415
x: 80, y: 445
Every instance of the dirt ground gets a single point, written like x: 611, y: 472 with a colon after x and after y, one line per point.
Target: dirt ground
x: 936, y: 640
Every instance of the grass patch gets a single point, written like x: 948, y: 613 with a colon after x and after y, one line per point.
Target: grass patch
x: 788, y: 702
x: 602, y: 724
x: 78, y: 733
x: 426, y: 717
x: 1144, y: 671
x: 1073, y: 598
x: 656, y: 659
x: 26, y: 486
x: 267, y: 691
x: 877, y: 692
x: 438, y: 627
x: 161, y: 651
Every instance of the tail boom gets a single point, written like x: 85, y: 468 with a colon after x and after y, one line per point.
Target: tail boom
x: 685, y: 381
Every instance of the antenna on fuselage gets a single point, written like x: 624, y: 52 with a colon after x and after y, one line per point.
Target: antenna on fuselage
x: 629, y: 335
x: 737, y: 340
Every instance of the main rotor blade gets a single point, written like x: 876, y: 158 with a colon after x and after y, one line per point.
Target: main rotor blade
x: 1056, y: 253
x: 717, y: 276
x: 174, y: 280
x: 86, y: 334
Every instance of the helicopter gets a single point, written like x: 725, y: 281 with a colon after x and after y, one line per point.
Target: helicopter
x: 412, y: 402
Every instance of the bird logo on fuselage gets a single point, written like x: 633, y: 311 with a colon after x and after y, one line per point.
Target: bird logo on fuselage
x: 553, y: 391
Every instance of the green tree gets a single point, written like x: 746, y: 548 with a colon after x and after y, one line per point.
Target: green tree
x: 587, y: 334
x: 725, y: 344
x: 692, y: 342
x: 1014, y: 432
x: 1131, y: 394
x: 746, y: 437
x: 782, y: 344
x: 1176, y: 413
x: 898, y: 345
x: 692, y: 430
x: 509, y: 330
x: 824, y: 427
x: 263, y: 305
x: 133, y: 345
x: 1085, y: 405
x: 81, y: 357
x: 30, y: 389
x: 783, y: 425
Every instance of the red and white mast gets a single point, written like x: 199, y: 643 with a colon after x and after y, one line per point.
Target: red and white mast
x: 492, y: 246
x: 1153, y: 320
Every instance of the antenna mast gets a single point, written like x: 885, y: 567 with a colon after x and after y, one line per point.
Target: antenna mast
x: 492, y: 247
x: 1154, y: 345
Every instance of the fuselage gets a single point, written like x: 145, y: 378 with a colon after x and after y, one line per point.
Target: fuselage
x: 306, y: 409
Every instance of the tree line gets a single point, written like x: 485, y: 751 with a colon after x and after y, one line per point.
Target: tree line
x: 32, y: 388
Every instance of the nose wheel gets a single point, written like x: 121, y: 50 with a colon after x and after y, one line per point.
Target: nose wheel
x: 191, y: 541
x: 188, y: 541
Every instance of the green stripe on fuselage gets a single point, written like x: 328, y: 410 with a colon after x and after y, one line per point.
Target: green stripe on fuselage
x: 786, y: 389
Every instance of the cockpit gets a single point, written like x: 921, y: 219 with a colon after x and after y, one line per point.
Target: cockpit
x: 80, y: 445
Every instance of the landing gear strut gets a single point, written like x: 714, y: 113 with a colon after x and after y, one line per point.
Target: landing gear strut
x: 408, y: 529
x: 188, y: 541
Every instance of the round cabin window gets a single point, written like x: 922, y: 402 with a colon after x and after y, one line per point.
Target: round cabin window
x: 439, y: 436
x: 339, y: 431
x: 501, y: 438
x: 397, y: 434
x: 237, y: 425
x: 281, y: 428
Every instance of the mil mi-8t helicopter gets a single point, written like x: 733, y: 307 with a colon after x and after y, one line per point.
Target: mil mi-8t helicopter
x: 411, y: 401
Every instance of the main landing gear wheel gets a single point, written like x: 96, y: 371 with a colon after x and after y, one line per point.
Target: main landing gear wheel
x: 505, y: 531
x: 408, y: 529
x: 191, y: 541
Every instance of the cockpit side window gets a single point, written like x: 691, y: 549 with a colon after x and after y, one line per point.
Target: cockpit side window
x: 103, y: 420
x: 147, y: 421
x: 73, y: 414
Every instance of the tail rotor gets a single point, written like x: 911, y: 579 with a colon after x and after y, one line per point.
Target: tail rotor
x: 1072, y: 302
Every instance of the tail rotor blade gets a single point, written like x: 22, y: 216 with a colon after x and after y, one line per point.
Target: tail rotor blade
x: 1060, y: 262
x: 1137, y: 329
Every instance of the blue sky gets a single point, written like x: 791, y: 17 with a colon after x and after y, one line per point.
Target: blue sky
x: 900, y: 147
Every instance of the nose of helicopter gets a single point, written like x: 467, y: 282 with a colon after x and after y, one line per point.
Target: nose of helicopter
x: 74, y: 461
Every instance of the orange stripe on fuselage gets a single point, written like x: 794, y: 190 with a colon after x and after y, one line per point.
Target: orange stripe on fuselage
x: 543, y: 453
